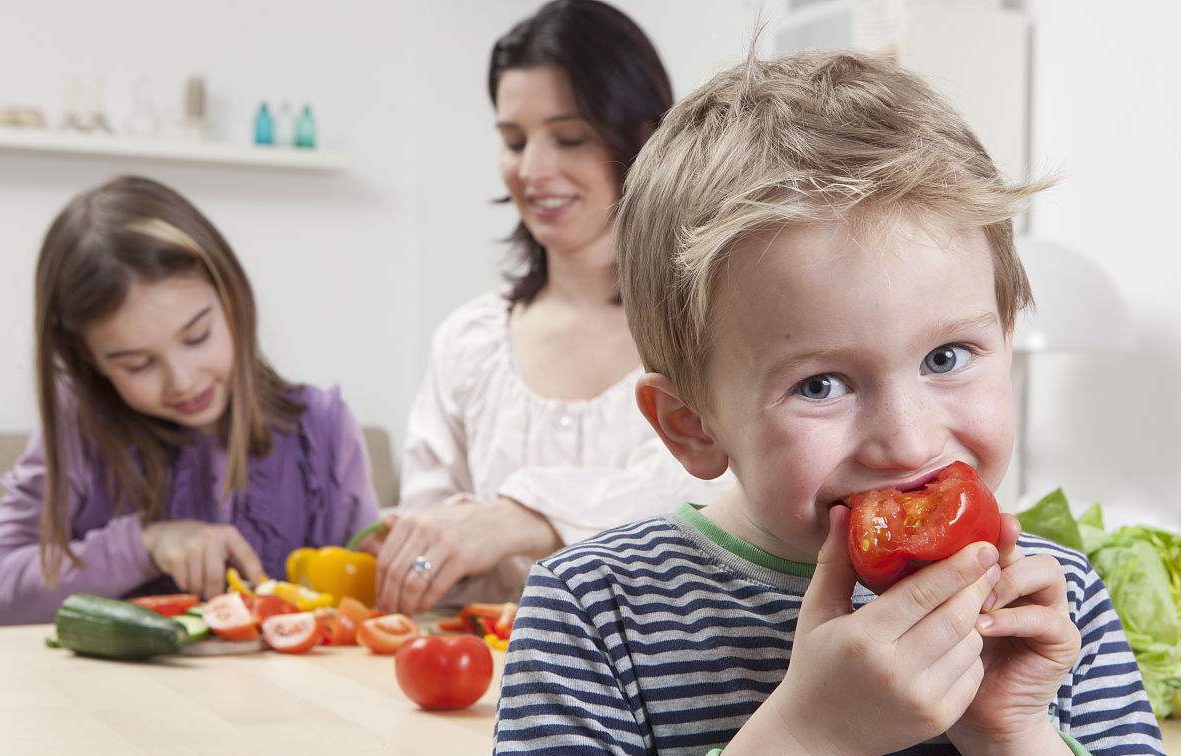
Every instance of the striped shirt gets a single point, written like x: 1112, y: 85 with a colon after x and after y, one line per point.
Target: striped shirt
x: 665, y: 635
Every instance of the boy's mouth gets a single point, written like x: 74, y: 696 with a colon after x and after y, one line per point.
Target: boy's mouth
x: 905, y: 486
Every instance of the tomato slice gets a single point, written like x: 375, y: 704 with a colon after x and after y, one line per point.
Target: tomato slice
x: 291, y: 633
x: 228, y: 617
x: 169, y: 605
x: 893, y: 533
x: 383, y: 635
x: 262, y: 607
x: 503, y: 626
x: 444, y: 671
x: 350, y: 615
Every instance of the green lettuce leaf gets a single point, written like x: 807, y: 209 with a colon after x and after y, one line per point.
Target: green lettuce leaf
x: 1051, y: 518
x: 1141, y: 567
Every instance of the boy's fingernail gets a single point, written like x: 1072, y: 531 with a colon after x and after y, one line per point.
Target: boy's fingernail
x: 988, y: 602
x: 993, y: 574
x: 987, y: 555
x: 984, y: 622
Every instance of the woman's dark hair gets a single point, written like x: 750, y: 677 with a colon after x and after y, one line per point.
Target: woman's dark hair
x: 619, y: 83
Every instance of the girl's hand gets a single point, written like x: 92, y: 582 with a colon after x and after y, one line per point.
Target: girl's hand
x: 456, y: 541
x: 194, y: 554
x: 1030, y: 644
x: 896, y: 672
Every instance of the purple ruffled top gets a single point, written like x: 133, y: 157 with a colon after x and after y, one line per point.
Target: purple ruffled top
x: 313, y: 489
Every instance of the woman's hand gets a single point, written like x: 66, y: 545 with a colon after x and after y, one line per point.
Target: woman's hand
x: 454, y: 541
x: 194, y: 554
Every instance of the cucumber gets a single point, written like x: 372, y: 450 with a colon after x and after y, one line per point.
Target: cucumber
x: 97, y: 626
x: 195, y: 628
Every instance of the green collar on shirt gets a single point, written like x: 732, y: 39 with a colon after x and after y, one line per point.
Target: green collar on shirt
x: 691, y: 513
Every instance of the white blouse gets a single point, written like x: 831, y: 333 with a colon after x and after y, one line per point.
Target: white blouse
x: 476, y: 431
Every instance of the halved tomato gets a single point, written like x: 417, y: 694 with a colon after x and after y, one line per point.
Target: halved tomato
x: 169, y: 605
x: 383, y: 635
x: 291, y: 633
x: 350, y: 615
x: 262, y: 607
x: 894, y: 533
x: 228, y: 617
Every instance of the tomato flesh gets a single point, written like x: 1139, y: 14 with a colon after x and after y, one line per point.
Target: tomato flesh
x: 229, y: 618
x: 168, y: 605
x: 384, y: 635
x: 350, y: 615
x: 291, y: 633
x: 444, y: 671
x: 893, y: 533
x: 262, y: 607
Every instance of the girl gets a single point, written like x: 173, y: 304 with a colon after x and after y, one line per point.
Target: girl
x: 168, y: 445
x: 525, y: 435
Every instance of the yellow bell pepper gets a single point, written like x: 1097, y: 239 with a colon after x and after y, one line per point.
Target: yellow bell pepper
x: 304, y: 599
x: 495, y: 641
x: 301, y: 597
x: 236, y: 584
x: 335, y: 570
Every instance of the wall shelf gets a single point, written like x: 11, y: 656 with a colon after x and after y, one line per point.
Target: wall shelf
x: 101, y: 145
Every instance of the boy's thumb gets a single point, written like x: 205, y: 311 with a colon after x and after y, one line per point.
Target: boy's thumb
x: 829, y: 595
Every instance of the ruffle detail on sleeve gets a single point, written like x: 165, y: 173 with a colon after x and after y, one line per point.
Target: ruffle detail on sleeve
x: 281, y: 518
x: 316, y: 429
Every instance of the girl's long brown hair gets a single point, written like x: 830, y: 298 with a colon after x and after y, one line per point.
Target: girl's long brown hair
x: 135, y: 229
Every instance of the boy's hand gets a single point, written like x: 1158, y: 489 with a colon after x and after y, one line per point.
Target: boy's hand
x: 1030, y: 644
x: 897, y: 672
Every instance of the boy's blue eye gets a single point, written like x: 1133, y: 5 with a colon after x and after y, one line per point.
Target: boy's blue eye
x: 824, y: 386
x: 946, y: 358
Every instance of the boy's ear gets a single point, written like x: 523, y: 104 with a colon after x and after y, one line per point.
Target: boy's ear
x: 680, y: 428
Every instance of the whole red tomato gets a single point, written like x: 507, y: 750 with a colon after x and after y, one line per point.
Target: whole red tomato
x: 893, y: 533
x: 444, y: 671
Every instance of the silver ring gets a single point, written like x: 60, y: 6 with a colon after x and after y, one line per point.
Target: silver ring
x: 422, y: 565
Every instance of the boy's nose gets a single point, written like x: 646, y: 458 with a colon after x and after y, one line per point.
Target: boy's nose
x: 902, y: 433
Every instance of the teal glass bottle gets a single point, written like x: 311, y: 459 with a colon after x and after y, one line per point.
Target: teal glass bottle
x: 264, y: 126
x: 305, y: 128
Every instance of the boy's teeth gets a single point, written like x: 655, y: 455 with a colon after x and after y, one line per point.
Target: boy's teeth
x: 551, y: 202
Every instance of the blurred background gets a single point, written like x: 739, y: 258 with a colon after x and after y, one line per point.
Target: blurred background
x: 359, y: 245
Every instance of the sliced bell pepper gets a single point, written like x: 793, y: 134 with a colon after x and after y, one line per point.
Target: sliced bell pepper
x: 236, y: 584
x: 495, y: 641
x: 305, y: 599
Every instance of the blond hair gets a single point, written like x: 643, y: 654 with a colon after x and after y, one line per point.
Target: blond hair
x: 814, y: 137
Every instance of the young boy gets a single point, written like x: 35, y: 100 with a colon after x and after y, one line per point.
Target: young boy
x: 817, y: 260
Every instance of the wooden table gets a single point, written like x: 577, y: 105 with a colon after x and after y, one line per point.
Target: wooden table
x: 329, y: 701
x: 332, y: 700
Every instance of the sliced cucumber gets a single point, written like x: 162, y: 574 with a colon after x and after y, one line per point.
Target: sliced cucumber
x: 195, y: 628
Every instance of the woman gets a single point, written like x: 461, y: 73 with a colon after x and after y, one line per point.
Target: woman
x: 525, y: 435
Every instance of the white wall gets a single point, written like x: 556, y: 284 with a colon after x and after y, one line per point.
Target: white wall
x: 1107, y: 113
x: 326, y: 253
